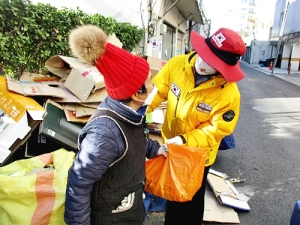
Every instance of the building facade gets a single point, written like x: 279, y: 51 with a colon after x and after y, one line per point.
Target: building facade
x: 285, y: 36
x: 169, y: 24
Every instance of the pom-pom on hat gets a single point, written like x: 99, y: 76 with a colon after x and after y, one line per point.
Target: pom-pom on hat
x: 124, y: 73
x: 222, y: 51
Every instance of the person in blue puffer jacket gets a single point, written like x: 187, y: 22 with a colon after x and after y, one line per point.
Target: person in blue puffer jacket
x: 106, y: 181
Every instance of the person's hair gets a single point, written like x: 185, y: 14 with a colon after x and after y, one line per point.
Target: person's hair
x: 142, y: 90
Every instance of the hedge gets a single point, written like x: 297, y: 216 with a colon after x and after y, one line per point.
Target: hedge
x: 31, y: 33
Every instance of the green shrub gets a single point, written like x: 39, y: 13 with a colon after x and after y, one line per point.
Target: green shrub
x: 32, y: 33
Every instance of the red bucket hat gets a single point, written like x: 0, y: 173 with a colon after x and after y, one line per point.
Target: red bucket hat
x: 222, y: 51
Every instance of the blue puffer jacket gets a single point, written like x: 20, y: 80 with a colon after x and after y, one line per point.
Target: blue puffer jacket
x: 100, y: 143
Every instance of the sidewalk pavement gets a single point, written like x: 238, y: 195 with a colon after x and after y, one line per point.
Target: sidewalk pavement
x: 293, y: 77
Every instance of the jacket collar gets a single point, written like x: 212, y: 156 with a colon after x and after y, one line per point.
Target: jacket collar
x: 217, y: 80
x: 122, y: 110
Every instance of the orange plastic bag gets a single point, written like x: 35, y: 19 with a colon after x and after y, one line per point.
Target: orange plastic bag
x: 177, y: 177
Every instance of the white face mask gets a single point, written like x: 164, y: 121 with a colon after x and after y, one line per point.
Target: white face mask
x: 150, y: 97
x: 203, y: 68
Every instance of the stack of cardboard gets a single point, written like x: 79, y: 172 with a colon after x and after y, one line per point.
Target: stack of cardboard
x: 39, y: 113
x: 18, y: 117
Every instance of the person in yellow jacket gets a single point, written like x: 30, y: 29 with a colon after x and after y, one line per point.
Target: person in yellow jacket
x: 203, y: 105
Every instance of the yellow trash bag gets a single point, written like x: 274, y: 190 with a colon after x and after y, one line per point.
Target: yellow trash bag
x: 32, y: 191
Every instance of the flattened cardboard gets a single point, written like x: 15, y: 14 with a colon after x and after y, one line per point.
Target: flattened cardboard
x: 71, y: 117
x: 34, y: 77
x: 35, y: 89
x: 156, y: 137
x: 16, y: 125
x: 96, y: 97
x: 79, y: 85
x: 216, y: 212
x: 224, y: 193
x: 16, y: 105
x: 82, y: 80
x: 61, y: 65
x: 10, y: 132
x: 82, y: 111
x: 93, y: 105
x: 77, y: 111
x: 20, y: 142
x: 155, y: 64
x: 70, y: 106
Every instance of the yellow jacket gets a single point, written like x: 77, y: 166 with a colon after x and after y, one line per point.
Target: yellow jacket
x: 203, y: 114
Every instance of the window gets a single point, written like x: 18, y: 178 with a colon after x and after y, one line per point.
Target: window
x: 252, y: 2
x: 281, y: 19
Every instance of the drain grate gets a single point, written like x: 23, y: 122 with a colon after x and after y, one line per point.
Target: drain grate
x: 266, y: 109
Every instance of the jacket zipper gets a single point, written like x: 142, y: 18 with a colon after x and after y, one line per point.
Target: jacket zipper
x: 177, y: 104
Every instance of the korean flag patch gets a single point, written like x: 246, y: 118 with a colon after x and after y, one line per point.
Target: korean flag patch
x: 218, y: 39
x: 175, y: 89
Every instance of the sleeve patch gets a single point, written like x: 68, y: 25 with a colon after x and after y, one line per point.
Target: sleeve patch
x: 228, y: 116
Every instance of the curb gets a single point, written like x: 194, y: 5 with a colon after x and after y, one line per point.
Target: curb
x: 293, y: 80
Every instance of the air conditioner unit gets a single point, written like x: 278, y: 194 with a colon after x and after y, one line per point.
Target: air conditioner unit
x: 163, y: 29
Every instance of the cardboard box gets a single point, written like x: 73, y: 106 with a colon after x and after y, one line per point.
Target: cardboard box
x: 225, y: 191
x: 215, y: 212
x: 15, y: 123
x: 26, y: 88
x: 155, y: 64
x: 82, y: 80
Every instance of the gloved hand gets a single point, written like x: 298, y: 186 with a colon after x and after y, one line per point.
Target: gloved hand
x: 175, y: 140
x: 163, y: 150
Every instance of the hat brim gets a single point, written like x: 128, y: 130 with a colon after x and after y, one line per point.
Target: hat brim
x: 230, y: 73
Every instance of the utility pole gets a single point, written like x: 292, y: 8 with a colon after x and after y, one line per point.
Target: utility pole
x: 209, y: 27
x: 281, y: 33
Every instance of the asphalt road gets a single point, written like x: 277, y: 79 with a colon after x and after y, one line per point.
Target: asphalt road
x: 267, y: 150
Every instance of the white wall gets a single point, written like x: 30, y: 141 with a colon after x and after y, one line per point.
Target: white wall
x: 295, y: 57
x: 285, y: 55
x: 280, y: 6
x: 293, y: 18
x: 172, y: 18
x: 259, y: 50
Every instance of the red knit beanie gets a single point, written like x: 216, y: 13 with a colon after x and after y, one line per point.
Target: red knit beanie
x: 124, y: 73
